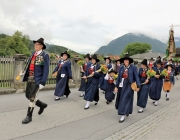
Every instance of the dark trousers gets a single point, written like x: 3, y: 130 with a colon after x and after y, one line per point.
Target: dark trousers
x: 31, y: 90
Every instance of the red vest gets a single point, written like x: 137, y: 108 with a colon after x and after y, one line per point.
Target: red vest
x: 125, y: 74
x: 91, y: 70
x: 143, y: 74
x: 32, y: 64
x: 84, y: 67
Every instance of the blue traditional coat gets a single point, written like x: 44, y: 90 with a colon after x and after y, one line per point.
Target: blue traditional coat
x: 103, y: 83
x: 156, y: 85
x: 109, y: 92
x: 41, y: 69
x: 125, y: 95
x: 117, y: 68
x: 142, y: 94
x: 92, y: 90
x: 62, y: 79
x: 83, y: 83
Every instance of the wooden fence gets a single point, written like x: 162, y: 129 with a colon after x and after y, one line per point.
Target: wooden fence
x: 7, y: 71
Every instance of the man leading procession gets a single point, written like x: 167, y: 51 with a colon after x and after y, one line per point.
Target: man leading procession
x: 36, y: 75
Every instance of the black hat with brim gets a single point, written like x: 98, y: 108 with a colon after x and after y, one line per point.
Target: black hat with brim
x: 159, y: 57
x: 87, y: 56
x: 144, y: 62
x: 169, y: 65
x: 126, y: 57
x: 94, y: 56
x: 159, y: 62
x: 152, y: 59
x: 117, y: 60
x: 107, y: 58
x: 66, y: 54
x: 112, y: 71
x: 41, y: 41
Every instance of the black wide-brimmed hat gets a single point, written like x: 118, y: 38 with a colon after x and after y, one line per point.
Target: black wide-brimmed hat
x: 152, y: 59
x: 112, y: 71
x: 159, y: 62
x: 126, y: 57
x: 41, y: 41
x: 66, y: 54
x: 168, y: 66
x: 159, y: 57
x: 117, y: 60
x: 107, y: 58
x: 94, y: 56
x: 170, y: 59
x: 88, y: 56
x: 144, y: 62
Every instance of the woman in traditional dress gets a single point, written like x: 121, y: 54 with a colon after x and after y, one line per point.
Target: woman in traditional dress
x: 92, y: 77
x: 142, y: 95
x: 82, y: 87
x: 156, y: 83
x: 118, y: 65
x: 103, y: 83
x: 168, y: 80
x: 126, y: 76
x: 151, y: 63
x: 109, y: 92
x: 64, y: 74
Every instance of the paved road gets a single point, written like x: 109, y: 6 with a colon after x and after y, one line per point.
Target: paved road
x: 66, y: 119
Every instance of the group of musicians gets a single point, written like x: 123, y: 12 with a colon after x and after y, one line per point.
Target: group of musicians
x: 37, y: 71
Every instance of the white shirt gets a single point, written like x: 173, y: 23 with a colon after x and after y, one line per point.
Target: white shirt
x: 38, y: 52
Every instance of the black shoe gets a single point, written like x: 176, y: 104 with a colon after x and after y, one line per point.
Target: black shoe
x: 155, y: 104
x: 140, y: 111
x: 85, y: 108
x: 29, y: 116
x: 82, y: 95
x: 56, y: 99
x: 127, y: 115
x: 96, y: 103
x: 167, y: 99
x: 67, y: 96
x: 121, y: 121
x: 28, y: 119
x: 41, y: 105
x: 107, y: 102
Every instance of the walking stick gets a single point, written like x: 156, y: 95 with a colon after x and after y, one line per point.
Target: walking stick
x: 35, y: 99
x: 22, y: 71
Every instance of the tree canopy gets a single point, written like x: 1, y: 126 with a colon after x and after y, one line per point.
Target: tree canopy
x: 136, y: 48
x: 21, y: 44
x: 16, y: 44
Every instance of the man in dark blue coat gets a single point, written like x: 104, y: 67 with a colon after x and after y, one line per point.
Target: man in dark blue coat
x: 36, y: 75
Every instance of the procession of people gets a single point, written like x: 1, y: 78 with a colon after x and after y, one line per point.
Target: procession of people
x: 119, y: 82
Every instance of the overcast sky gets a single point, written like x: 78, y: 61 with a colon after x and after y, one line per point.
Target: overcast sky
x: 86, y: 25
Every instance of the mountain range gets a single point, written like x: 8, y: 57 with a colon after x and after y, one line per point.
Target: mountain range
x: 117, y: 45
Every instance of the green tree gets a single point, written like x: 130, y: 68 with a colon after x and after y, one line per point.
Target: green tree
x: 18, y: 43
x: 136, y: 48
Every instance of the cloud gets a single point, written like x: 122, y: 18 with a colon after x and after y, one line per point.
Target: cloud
x: 85, y: 25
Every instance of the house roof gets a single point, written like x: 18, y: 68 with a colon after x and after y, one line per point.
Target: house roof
x: 147, y: 55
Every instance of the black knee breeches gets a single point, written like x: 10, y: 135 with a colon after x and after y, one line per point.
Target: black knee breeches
x: 31, y: 90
